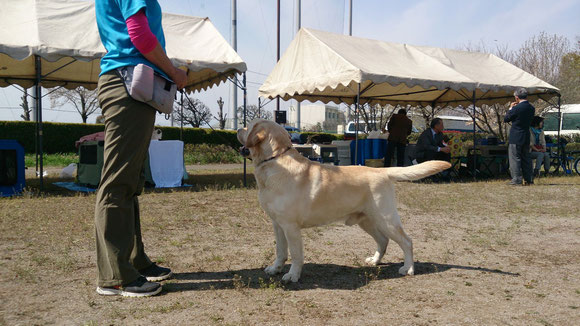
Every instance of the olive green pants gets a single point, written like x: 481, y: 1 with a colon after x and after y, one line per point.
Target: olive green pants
x: 128, y: 128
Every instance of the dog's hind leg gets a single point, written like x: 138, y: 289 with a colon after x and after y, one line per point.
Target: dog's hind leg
x: 294, y: 238
x: 394, y: 230
x: 382, y: 241
x: 281, y: 251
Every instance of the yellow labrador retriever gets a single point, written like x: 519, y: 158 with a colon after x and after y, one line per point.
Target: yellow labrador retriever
x: 297, y: 193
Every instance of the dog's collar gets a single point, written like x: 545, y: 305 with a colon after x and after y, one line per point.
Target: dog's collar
x: 274, y: 157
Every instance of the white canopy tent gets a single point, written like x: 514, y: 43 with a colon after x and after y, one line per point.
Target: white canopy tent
x: 328, y: 67
x: 50, y: 43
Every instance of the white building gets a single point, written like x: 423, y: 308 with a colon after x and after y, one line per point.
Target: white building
x: 317, y: 116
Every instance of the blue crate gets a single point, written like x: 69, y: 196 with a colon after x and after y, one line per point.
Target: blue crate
x: 368, y: 149
x: 12, y: 179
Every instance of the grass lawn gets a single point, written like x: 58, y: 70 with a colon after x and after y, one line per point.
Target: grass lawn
x: 485, y: 253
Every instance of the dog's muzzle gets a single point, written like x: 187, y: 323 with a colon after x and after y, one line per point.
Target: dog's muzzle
x: 244, y: 151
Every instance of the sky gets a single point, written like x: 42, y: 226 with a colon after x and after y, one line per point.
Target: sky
x: 439, y: 23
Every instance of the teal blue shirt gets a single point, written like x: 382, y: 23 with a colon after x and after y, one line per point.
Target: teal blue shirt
x: 111, y: 17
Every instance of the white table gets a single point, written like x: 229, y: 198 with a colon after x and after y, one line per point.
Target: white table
x: 166, y: 162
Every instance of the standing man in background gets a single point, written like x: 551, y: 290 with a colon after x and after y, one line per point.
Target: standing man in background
x: 520, y: 115
x: 132, y: 34
x: 399, y: 128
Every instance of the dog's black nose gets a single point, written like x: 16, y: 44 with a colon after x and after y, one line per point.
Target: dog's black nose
x: 244, y: 151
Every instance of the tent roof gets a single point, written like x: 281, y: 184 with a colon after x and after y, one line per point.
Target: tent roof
x: 62, y: 32
x: 323, y: 66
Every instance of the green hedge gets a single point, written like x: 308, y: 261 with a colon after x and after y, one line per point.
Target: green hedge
x: 61, y: 137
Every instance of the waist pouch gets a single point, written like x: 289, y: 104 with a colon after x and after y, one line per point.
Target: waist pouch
x: 145, y: 85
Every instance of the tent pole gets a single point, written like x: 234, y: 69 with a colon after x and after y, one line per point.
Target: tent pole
x: 245, y: 112
x: 474, y: 139
x: 559, y: 125
x: 181, y: 116
x: 356, y: 126
x: 38, y: 94
x: 277, y: 46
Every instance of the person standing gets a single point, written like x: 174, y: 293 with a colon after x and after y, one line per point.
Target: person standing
x: 399, y: 128
x: 520, y: 115
x: 430, y: 145
x: 132, y: 34
x: 538, y: 146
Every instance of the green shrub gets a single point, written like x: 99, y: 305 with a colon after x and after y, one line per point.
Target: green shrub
x: 57, y: 137
x: 61, y: 137
x: 318, y: 137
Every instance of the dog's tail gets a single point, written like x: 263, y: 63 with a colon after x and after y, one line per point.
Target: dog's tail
x: 419, y: 171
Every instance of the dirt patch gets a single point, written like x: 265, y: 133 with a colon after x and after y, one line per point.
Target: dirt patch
x: 485, y: 252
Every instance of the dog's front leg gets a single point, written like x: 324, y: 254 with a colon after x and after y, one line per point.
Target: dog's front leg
x: 281, y: 251
x: 294, y: 238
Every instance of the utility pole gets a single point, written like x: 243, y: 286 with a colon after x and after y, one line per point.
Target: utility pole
x: 234, y: 86
x: 349, y: 34
x: 298, y: 21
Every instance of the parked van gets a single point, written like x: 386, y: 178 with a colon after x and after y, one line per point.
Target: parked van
x: 350, y: 130
x: 570, y: 123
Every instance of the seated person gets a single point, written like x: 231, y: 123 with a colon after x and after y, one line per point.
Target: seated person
x: 431, y: 146
x: 538, y: 146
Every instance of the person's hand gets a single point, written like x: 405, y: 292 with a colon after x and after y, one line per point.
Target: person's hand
x: 446, y: 149
x: 512, y: 104
x: 179, y: 77
x: 543, y: 150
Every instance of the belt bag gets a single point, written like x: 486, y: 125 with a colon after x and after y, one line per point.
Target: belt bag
x: 145, y: 85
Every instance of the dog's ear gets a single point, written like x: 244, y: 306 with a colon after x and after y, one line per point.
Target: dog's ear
x: 256, y: 136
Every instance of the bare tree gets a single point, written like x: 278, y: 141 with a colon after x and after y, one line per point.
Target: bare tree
x: 24, y: 105
x: 569, y: 79
x: 195, y: 112
x: 489, y: 119
x: 252, y: 112
x: 541, y: 56
x: 427, y: 112
x: 83, y: 100
x: 221, y: 118
x: 377, y: 116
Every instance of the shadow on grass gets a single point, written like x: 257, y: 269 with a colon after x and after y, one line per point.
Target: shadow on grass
x: 314, y: 276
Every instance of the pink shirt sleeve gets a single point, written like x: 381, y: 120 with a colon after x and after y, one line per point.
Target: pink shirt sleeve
x: 140, y: 33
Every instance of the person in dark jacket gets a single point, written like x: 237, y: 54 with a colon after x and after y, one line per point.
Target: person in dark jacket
x: 520, y: 115
x: 430, y: 145
x: 399, y: 128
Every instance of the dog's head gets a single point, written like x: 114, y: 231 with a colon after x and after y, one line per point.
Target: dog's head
x: 263, y: 139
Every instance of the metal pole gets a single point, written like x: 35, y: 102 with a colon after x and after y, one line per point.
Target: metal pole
x: 181, y: 119
x: 278, y: 47
x: 559, y: 125
x: 348, y: 113
x: 234, y: 87
x: 38, y: 95
x: 474, y: 152
x: 259, y: 107
x: 245, y: 111
x: 356, y: 109
x: 350, y: 19
x: 298, y: 18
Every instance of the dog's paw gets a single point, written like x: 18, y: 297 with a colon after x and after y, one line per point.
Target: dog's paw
x: 273, y: 270
x: 290, y: 277
x: 371, y: 261
x: 407, y: 270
